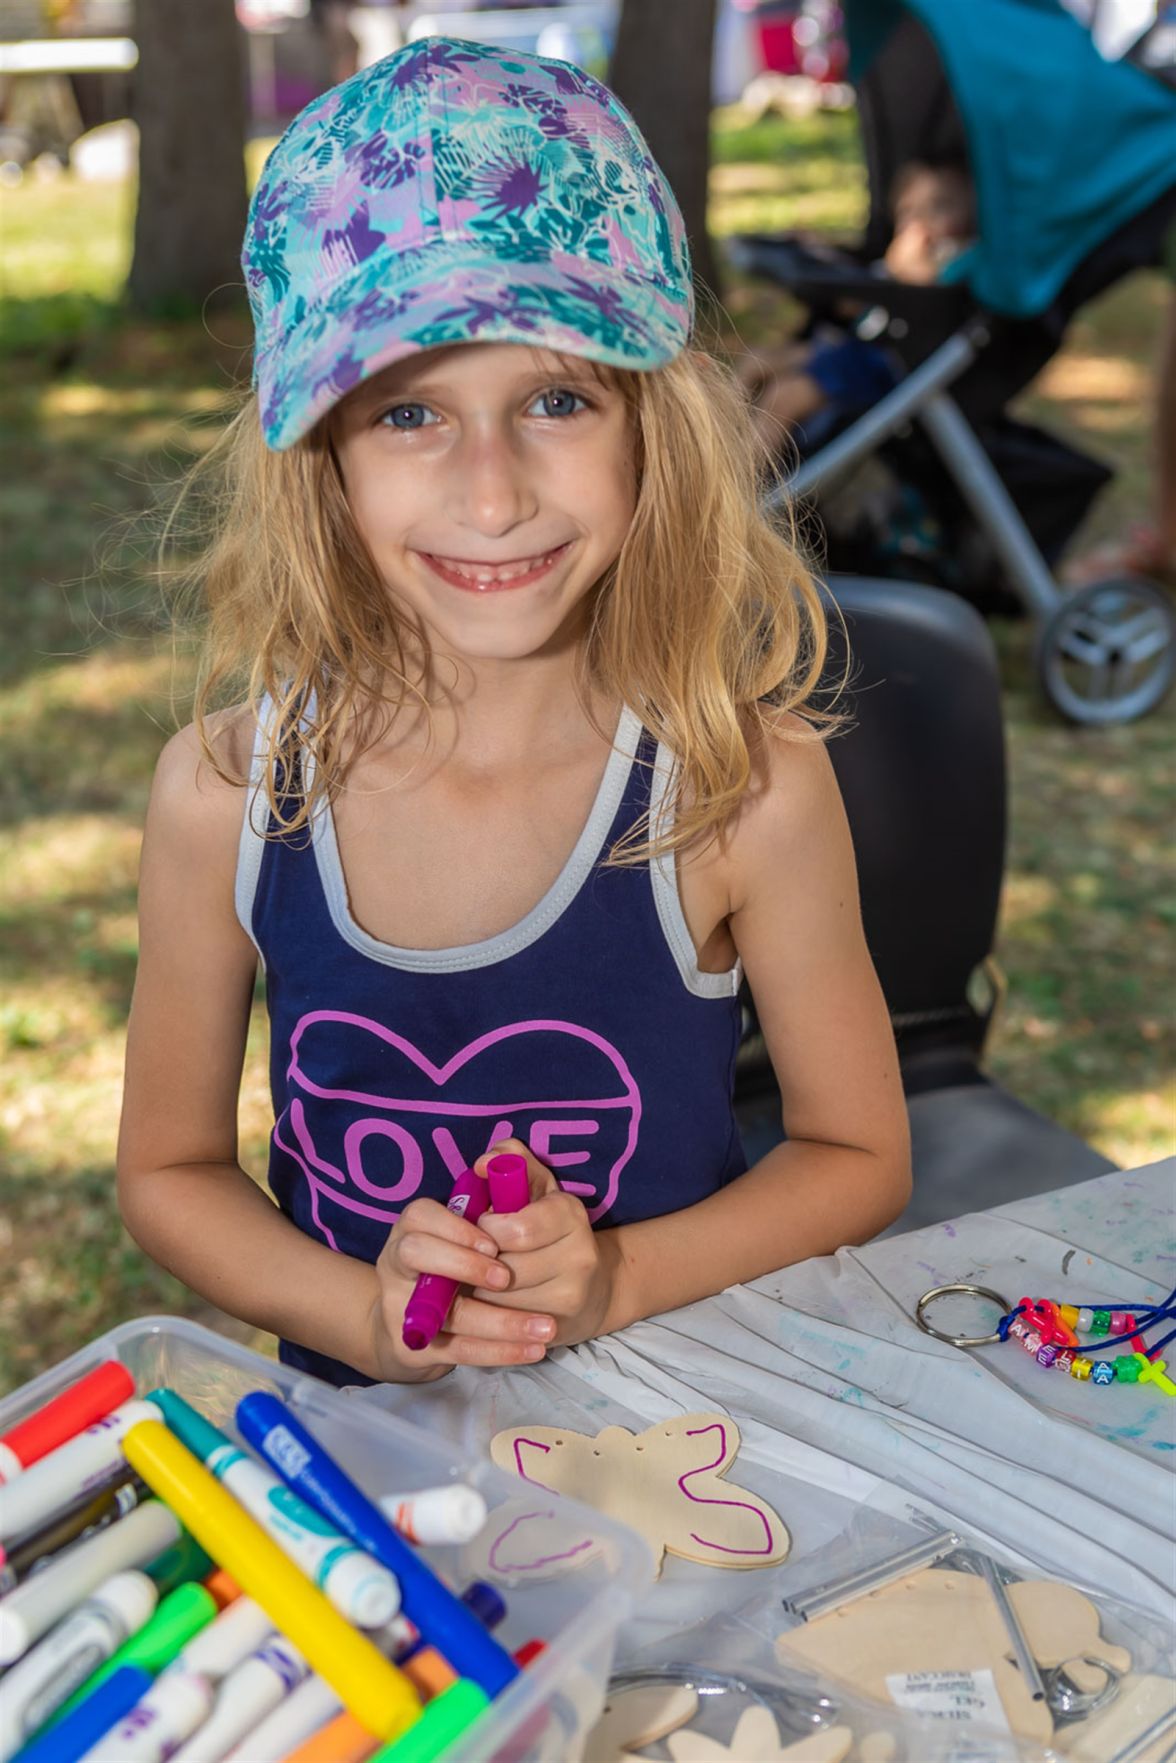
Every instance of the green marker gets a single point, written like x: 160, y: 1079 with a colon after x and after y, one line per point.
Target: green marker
x: 184, y: 1561
x: 182, y: 1614
x: 442, y: 1722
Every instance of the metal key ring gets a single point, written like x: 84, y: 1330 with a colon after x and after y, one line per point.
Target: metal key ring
x: 1067, y: 1702
x: 970, y: 1291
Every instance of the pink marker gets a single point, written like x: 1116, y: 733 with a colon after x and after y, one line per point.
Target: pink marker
x: 509, y: 1189
x: 426, y: 1310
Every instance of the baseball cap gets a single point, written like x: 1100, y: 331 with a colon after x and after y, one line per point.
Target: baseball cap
x: 454, y: 193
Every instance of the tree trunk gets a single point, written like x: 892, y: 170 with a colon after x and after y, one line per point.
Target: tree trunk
x: 661, y: 70
x: 189, y: 103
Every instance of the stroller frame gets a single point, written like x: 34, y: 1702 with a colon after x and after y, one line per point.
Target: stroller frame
x: 1072, y: 160
x: 1107, y: 652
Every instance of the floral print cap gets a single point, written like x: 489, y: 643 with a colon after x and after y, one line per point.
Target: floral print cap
x: 457, y: 193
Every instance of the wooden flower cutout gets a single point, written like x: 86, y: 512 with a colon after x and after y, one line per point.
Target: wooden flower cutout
x: 637, y: 1717
x: 756, y: 1739
x: 666, y: 1483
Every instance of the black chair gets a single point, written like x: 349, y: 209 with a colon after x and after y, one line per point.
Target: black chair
x: 922, y: 771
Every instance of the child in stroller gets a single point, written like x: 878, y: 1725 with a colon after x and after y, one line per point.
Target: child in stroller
x: 1073, y: 163
x: 831, y: 374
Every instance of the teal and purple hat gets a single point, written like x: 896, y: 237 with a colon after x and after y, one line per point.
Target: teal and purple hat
x: 456, y: 193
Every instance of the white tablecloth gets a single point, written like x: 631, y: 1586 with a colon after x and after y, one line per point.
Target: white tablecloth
x: 833, y: 1386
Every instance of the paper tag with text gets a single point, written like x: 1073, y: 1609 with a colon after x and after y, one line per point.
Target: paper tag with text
x: 963, y: 1698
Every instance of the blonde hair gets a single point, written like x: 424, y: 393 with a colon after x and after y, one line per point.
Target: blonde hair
x: 708, y: 624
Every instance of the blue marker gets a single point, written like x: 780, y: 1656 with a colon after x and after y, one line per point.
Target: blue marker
x: 91, y: 1720
x: 444, y: 1621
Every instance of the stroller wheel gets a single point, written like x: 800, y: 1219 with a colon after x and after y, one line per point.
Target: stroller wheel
x: 1108, y: 652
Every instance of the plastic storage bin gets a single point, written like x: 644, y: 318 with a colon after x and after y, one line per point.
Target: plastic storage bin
x: 545, y: 1716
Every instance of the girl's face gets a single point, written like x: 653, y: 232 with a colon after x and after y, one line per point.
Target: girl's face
x: 494, y: 485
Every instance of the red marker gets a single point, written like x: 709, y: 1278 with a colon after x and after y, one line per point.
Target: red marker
x: 92, y: 1398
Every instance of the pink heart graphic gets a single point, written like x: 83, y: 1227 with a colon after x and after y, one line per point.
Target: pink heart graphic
x: 405, y: 1111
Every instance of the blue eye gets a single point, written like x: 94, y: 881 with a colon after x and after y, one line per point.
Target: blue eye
x: 408, y: 416
x: 558, y: 401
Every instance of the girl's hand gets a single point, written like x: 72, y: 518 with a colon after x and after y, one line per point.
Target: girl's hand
x: 555, y: 1261
x: 429, y: 1239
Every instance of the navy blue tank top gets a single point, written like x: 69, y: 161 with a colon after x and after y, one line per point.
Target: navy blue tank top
x: 587, y: 1030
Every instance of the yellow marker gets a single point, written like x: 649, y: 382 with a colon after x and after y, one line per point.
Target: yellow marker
x: 367, y: 1684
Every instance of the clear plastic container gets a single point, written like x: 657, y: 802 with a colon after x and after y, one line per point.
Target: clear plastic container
x: 545, y: 1716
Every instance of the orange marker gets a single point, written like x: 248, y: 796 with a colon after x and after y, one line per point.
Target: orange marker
x: 342, y: 1740
x: 223, y: 1587
x: 428, y: 1673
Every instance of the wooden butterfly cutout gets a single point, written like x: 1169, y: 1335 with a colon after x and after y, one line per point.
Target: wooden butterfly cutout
x: 664, y: 1482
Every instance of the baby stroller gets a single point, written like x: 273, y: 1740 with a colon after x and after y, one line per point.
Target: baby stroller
x: 1073, y: 162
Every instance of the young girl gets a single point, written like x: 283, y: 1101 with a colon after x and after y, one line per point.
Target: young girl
x: 527, y: 774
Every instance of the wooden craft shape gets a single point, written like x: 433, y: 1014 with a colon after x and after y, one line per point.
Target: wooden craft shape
x: 933, y: 1620
x: 756, y: 1739
x: 1141, y: 1701
x: 877, y: 1747
x: 530, y: 1539
x: 665, y: 1483
x: 639, y: 1716
x: 1060, y: 1625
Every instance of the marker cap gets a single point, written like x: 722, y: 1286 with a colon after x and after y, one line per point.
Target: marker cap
x: 423, y: 1317
x: 90, y: 1398
x: 485, y: 1602
x: 191, y: 1428
x: 451, y: 1514
x: 369, y: 1593
x: 510, y: 1188
x: 130, y: 1597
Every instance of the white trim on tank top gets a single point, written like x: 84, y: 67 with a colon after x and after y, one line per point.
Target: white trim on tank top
x: 534, y: 924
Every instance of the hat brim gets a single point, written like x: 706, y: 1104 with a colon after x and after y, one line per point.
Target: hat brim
x: 396, y: 304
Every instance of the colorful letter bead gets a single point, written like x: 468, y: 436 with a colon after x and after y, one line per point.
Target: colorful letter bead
x: 1084, y: 1320
x: 1064, y: 1359
x: 1069, y: 1315
x: 1101, y: 1322
x: 1081, y: 1367
x: 1018, y: 1328
x: 1046, y: 1353
x: 1127, y: 1368
x: 1032, y: 1341
x: 1103, y: 1372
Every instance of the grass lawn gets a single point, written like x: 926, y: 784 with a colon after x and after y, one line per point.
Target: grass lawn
x: 99, y: 414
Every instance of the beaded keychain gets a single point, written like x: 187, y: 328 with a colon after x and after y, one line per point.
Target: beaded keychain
x: 1049, y: 1331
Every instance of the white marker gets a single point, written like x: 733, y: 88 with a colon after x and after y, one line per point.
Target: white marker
x: 246, y: 1696
x: 310, y: 1706
x: 451, y: 1514
x: 82, y: 1463
x: 314, y: 1702
x: 46, y: 1677
x: 40, y: 1601
x: 157, y: 1726
x: 229, y: 1639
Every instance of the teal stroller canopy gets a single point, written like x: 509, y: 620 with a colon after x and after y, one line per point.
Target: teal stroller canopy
x: 1064, y: 147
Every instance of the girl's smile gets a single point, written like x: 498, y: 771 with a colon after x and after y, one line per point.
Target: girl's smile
x: 493, y: 485
x: 484, y: 577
